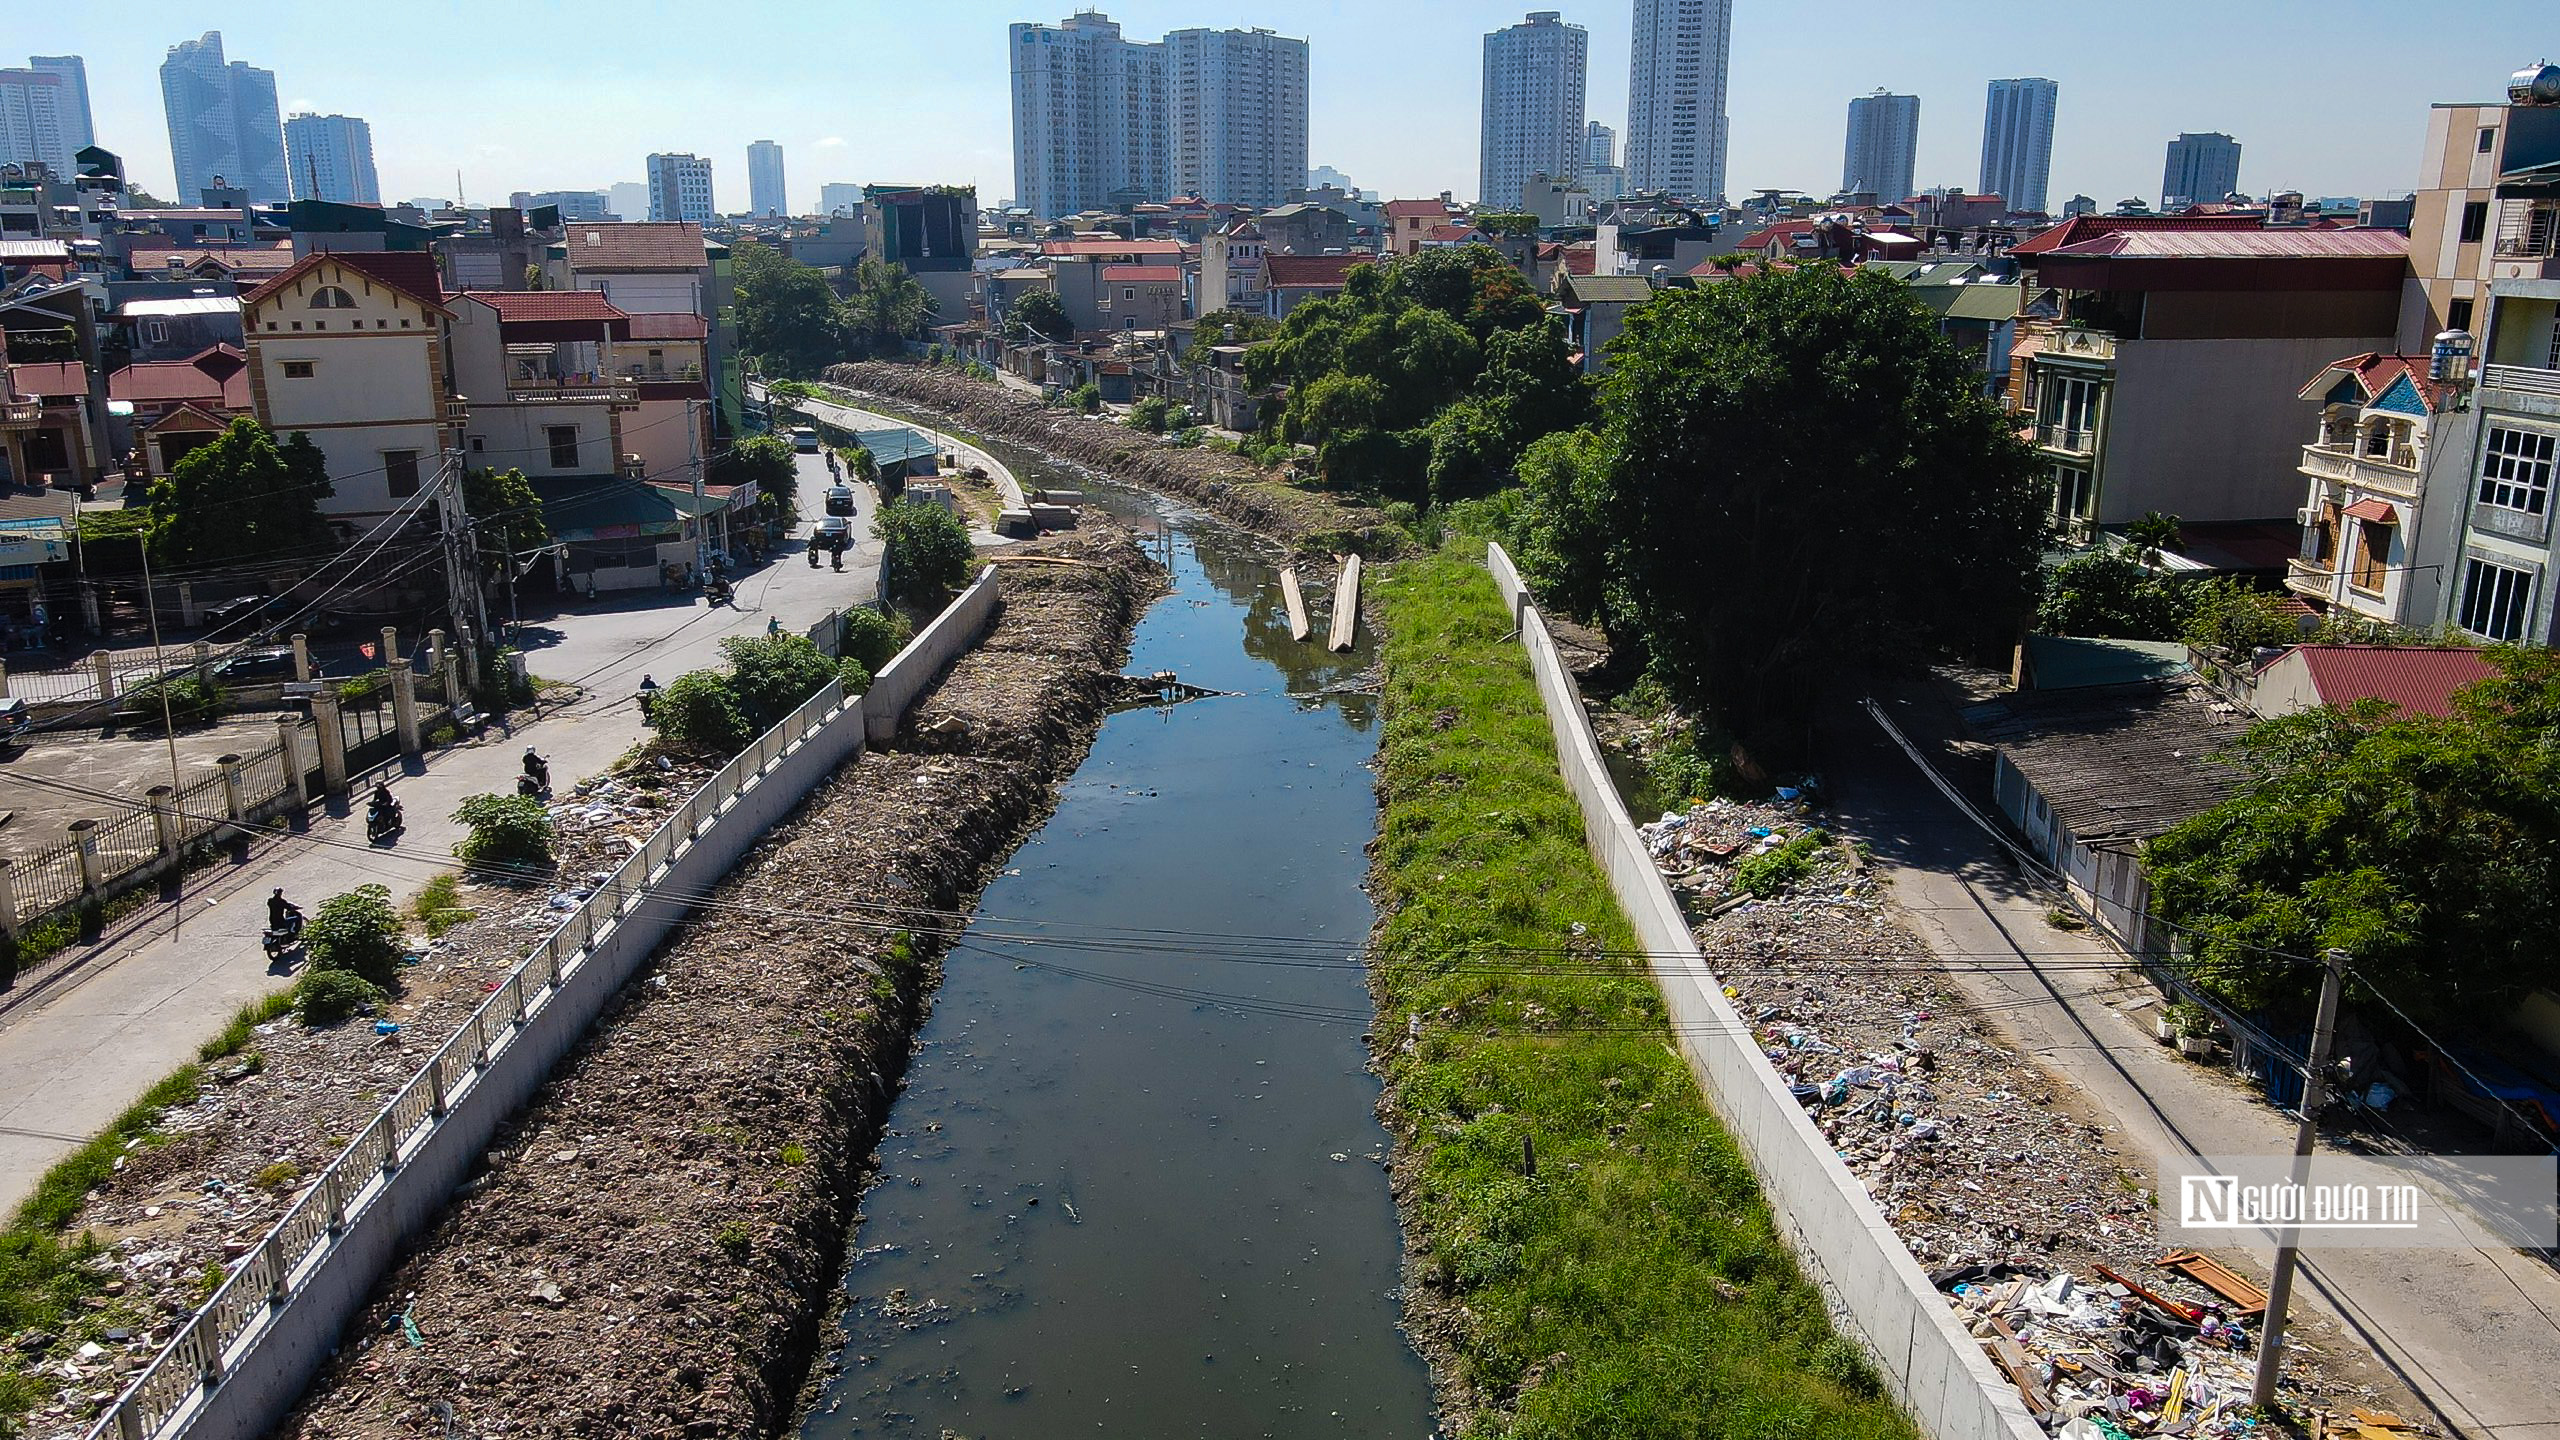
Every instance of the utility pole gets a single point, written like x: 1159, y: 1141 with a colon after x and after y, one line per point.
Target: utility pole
x: 2315, y: 1094
x: 693, y: 462
x: 462, y: 583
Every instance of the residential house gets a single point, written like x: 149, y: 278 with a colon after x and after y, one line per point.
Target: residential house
x: 662, y: 268
x: 1141, y: 297
x: 1300, y: 228
x: 1295, y: 279
x: 1454, y: 234
x: 177, y: 405
x: 931, y: 230
x: 1004, y: 287
x: 38, y: 528
x: 533, y: 370
x: 1977, y: 310
x: 1595, y: 310
x: 2172, y: 379
x: 1076, y: 265
x: 2375, y: 499
x: 2414, y: 679
x: 53, y: 409
x: 1231, y: 269
x: 170, y: 270
x: 177, y: 327
x: 351, y: 350
x: 1408, y: 223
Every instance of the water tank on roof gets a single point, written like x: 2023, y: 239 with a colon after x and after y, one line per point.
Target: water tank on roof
x: 2535, y: 84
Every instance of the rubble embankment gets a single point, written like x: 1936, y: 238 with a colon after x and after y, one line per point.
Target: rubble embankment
x: 653, y: 1245
x: 1305, y: 520
x: 1998, y: 1176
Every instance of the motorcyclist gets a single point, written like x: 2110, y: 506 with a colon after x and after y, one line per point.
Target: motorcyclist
x: 537, y: 769
x: 385, y: 808
x: 283, y: 914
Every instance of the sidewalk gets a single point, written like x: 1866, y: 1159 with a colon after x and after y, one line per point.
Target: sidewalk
x: 72, y: 1058
x: 2476, y: 1333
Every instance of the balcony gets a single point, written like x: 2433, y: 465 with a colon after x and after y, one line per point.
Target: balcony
x: 2310, y: 579
x: 2527, y: 379
x: 21, y: 414
x: 2080, y: 345
x: 2342, y: 464
x: 2067, y: 439
x: 636, y: 373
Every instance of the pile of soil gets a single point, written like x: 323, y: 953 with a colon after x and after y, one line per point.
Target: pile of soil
x: 1224, y: 483
x: 653, y: 1244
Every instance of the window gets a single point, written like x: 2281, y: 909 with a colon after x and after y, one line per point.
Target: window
x: 298, y: 369
x: 2475, y: 221
x: 2494, y: 600
x: 2457, y: 314
x: 2373, y: 549
x: 156, y: 332
x: 2328, y: 534
x: 1128, y: 292
x: 2075, y: 495
x: 2488, y: 138
x: 330, y: 297
x: 563, y: 440
x: 478, y: 444
x: 400, y: 467
x: 2515, y: 469
x: 2067, y: 412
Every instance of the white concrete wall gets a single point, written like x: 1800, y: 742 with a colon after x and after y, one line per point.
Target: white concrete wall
x: 1876, y: 1291
x: 894, y: 690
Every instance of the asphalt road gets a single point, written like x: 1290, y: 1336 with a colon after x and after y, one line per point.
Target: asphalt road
x: 2476, y: 1333
x: 77, y: 1052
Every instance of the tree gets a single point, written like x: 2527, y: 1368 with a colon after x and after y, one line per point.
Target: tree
x: 928, y: 551
x: 1231, y: 327
x: 768, y: 463
x: 357, y: 932
x: 1801, y: 482
x: 242, y: 494
x: 788, y: 318
x: 1040, y: 312
x: 506, y: 513
x: 2426, y: 847
x: 1564, y: 489
x: 2112, y: 594
x: 698, y: 711
x: 888, y: 306
x: 2227, y: 615
x: 506, y: 832
x: 772, y: 674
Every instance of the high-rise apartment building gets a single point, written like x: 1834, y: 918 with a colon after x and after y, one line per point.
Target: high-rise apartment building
x: 1599, y: 146
x: 35, y: 120
x: 331, y: 157
x: 680, y: 188
x: 1533, y: 91
x: 1884, y: 145
x: 766, y: 194
x: 836, y: 199
x: 75, y: 117
x: 1090, y: 117
x: 1239, y: 123
x: 2202, y: 169
x: 222, y: 123
x: 1675, y: 97
x: 2017, y: 142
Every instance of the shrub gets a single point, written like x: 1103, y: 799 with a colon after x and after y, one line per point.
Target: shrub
x: 1086, y: 398
x: 772, y: 674
x: 1148, y: 415
x: 279, y: 1177
x: 325, y: 997
x: 699, y: 711
x: 874, y: 637
x: 2231, y: 617
x: 1772, y: 872
x: 507, y: 831
x: 929, y: 553
x: 189, y: 698
x: 438, y: 906
x: 357, y: 932
x: 366, y: 691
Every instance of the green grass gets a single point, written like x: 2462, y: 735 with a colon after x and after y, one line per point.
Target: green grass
x: 235, y: 1037
x: 1640, y: 1250
x: 438, y: 906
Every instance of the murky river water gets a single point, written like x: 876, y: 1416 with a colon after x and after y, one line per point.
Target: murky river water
x: 1133, y: 1188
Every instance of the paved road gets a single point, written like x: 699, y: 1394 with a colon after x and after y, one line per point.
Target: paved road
x: 75, y: 1055
x: 2474, y: 1332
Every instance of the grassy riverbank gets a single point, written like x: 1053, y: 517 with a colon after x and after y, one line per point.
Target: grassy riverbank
x: 1589, y: 1253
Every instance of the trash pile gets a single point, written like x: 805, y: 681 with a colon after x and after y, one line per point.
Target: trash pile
x: 2111, y: 1358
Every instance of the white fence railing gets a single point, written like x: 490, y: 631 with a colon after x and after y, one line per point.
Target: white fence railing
x: 1823, y: 1212
x: 240, y: 1360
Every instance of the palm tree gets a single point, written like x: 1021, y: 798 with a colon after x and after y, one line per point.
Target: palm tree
x: 888, y: 305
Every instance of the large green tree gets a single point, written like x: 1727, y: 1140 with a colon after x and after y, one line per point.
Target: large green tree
x: 242, y: 495
x: 927, y: 553
x: 1800, y: 482
x: 1039, y: 311
x: 505, y: 513
x: 887, y: 306
x: 2427, y: 848
x: 788, y: 317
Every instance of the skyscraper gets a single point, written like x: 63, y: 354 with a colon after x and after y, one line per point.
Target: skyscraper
x: 2017, y: 142
x: 1533, y: 88
x: 1239, y: 122
x: 2201, y: 169
x: 628, y: 199
x: 680, y: 188
x: 1884, y: 140
x: 766, y: 194
x: 1599, y: 146
x: 1675, y: 97
x: 839, y: 199
x: 36, y: 122
x: 1090, y: 117
x: 75, y: 74
x: 222, y: 122
x: 331, y: 158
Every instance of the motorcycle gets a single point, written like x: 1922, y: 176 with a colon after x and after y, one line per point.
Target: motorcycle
x: 533, y: 789
x: 280, y: 938
x: 382, y: 822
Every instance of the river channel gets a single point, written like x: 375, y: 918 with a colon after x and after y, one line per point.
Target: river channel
x: 1134, y: 1184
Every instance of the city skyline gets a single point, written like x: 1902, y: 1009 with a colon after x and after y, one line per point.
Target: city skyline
x: 1379, y: 95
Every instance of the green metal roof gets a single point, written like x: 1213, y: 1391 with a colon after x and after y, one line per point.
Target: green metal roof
x: 1619, y: 289
x: 888, y: 447
x: 605, y: 507
x: 2056, y: 662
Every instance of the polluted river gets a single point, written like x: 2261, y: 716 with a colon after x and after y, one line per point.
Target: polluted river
x: 1134, y: 1185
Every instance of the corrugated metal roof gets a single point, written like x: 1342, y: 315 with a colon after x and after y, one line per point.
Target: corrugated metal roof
x: 2418, y: 679
x: 182, y: 305
x: 2065, y: 662
x: 32, y: 250
x: 2127, y: 761
x: 1622, y: 289
x: 2240, y: 245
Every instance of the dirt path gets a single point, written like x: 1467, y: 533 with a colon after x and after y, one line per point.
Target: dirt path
x: 654, y: 1243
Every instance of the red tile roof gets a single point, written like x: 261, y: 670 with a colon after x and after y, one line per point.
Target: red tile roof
x: 145, y: 260
x: 2373, y: 372
x: 219, y: 378
x: 1142, y: 274
x: 669, y: 327
x: 1310, y: 272
x: 412, y: 273
x: 636, y: 245
x: 521, y: 305
x: 50, y: 379
x: 2418, y: 679
x: 1082, y: 248
x: 1451, y: 234
x: 1582, y: 257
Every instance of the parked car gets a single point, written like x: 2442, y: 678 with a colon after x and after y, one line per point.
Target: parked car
x: 269, y: 665
x: 804, y: 439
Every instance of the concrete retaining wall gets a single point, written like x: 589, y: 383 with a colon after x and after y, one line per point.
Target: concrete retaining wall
x: 271, y: 1326
x: 1876, y: 1291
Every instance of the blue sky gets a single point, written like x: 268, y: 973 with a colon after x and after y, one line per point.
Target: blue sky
x: 2327, y: 97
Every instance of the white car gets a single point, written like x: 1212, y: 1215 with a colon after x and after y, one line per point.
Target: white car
x: 804, y: 440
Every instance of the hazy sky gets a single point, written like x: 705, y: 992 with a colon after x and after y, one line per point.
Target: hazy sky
x: 2329, y: 97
